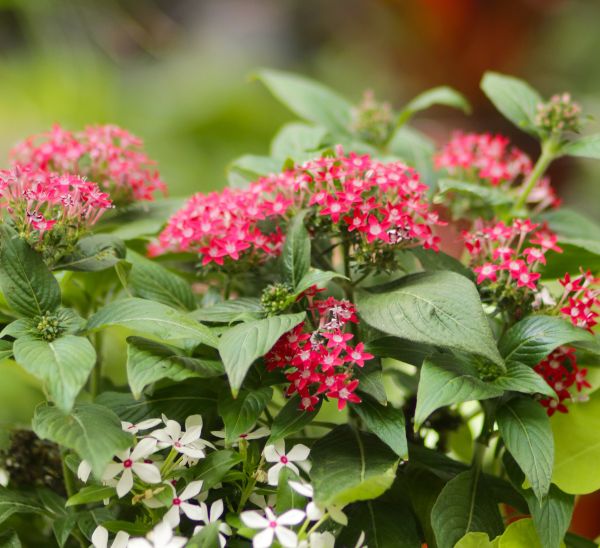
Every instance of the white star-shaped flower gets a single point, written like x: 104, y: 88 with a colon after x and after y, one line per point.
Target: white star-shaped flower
x: 100, y: 538
x: 212, y: 516
x: 272, y: 526
x: 318, y: 540
x: 261, y: 432
x: 134, y: 428
x: 180, y: 504
x: 276, y: 453
x: 133, y: 462
x: 187, y: 443
x: 160, y: 537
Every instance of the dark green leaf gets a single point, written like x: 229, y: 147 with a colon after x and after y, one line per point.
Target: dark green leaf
x: 399, y: 349
x: 63, y: 364
x: 291, y: 419
x: 5, y: 349
x: 62, y: 527
x: 438, y: 308
x: 442, y: 95
x: 315, y: 277
x: 153, y: 318
x: 386, y: 422
x: 149, y: 361
x: 28, y: 286
x: 490, y: 195
x: 464, y: 505
x: 92, y: 430
x: 349, y: 466
x: 240, y: 345
x: 229, y: 311
x: 308, y: 99
x: 240, y: 414
x: 17, y: 502
x: 295, y: 256
x: 438, y: 260
x: 10, y: 539
x: 445, y: 381
x: 213, y: 468
x: 153, y: 281
x: 534, y: 337
x: 94, y: 253
x: 514, y: 98
x: 297, y: 141
x: 370, y: 378
x: 522, y: 378
x: 91, y: 493
x: 208, y: 537
x: 525, y: 429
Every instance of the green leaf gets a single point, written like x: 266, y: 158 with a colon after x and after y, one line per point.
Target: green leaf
x: 153, y: 318
x: 439, y: 308
x: 315, y: 277
x: 552, y: 515
x: 62, y: 527
x: 442, y: 95
x: 464, y: 505
x: 525, y: 429
x: 94, y: 253
x: 399, y: 349
x: 288, y: 498
x: 349, y: 466
x: 91, y: 430
x: 383, y: 524
x: 240, y: 414
x: 18, y: 502
x: 149, y: 361
x: 5, y: 349
x: 291, y: 419
x: 490, y: 195
x: 585, y: 147
x: 438, y: 260
x: 522, y: 378
x: 514, y: 98
x: 229, y: 311
x: 91, y: 493
x: 208, y: 537
x: 308, y: 99
x: 240, y: 345
x: 251, y: 166
x: 386, y: 422
x: 416, y: 149
x: 474, y: 540
x: 63, y: 364
x: 370, y: 379
x: 212, y: 469
x: 520, y: 533
x: 295, y: 256
x: 29, y: 287
x: 10, y: 539
x: 445, y: 381
x: 531, y: 340
x: 153, y: 281
x: 577, y: 447
x: 297, y: 141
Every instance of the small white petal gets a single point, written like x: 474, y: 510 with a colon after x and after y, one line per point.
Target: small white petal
x: 192, y: 511
x: 148, y: 423
x: 291, y: 517
x: 286, y: 537
x: 83, y: 471
x: 271, y: 454
x: 111, y: 471
x: 147, y: 472
x: 145, y: 447
x: 216, y: 510
x: 172, y: 516
x: 298, y: 453
x: 264, y: 539
x: 273, y: 473
x: 121, y: 540
x: 261, y: 432
x: 125, y: 483
x: 254, y: 520
x: 139, y: 543
x: 100, y: 537
x: 161, y: 534
x: 304, y: 489
x: 218, y: 433
x: 313, y: 512
x: 192, y: 452
x: 191, y: 490
x: 193, y: 420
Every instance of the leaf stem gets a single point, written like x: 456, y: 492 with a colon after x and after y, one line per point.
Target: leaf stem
x: 69, y: 482
x: 96, y: 377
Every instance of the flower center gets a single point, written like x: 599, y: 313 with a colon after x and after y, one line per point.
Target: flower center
x: 176, y: 501
x: 284, y: 459
x: 272, y: 524
x: 128, y: 463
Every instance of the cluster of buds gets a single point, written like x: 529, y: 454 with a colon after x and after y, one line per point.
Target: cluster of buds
x: 48, y: 326
x: 277, y: 298
x: 317, y: 357
x: 49, y: 210
x: 559, y: 115
x: 372, y: 121
x: 561, y: 372
x: 108, y: 154
x: 506, y: 259
x: 579, y: 301
x: 374, y: 207
x: 488, y: 159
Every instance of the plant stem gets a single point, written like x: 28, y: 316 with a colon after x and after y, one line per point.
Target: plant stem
x: 96, y: 377
x: 69, y: 482
x: 549, y: 152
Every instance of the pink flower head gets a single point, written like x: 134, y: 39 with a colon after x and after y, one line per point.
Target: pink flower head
x: 486, y: 271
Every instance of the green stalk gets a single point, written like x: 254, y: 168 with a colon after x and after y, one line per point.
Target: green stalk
x: 96, y: 377
x: 69, y: 481
x: 550, y: 149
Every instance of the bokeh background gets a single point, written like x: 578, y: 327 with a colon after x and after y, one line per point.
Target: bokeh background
x: 177, y: 72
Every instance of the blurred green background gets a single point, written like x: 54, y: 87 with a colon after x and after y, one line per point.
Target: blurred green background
x: 176, y: 71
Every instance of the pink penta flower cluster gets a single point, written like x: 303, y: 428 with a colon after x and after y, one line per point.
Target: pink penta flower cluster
x: 561, y: 372
x: 317, y: 355
x: 108, y: 154
x: 49, y: 208
x: 509, y: 255
x: 370, y: 204
x: 580, y: 299
x: 491, y: 159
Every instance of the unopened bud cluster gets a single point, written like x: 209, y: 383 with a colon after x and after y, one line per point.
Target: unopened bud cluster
x: 559, y: 115
x: 48, y: 326
x: 277, y: 298
x: 372, y: 121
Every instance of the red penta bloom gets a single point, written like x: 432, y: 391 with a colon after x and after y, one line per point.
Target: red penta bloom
x: 320, y: 361
x: 108, y: 154
x: 580, y: 300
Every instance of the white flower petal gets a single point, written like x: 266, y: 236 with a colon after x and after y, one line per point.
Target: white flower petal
x: 125, y: 483
x: 83, y: 471
x: 271, y: 454
x: 145, y: 447
x: 147, y: 472
x: 216, y: 510
x: 172, y: 516
x: 139, y: 543
x: 192, y: 511
x: 322, y: 540
x: 298, y: 453
x: 264, y: 539
x: 121, y: 540
x: 100, y: 537
x: 193, y: 420
x: 193, y: 434
x: 161, y: 534
x: 291, y: 517
x: 218, y: 433
x: 191, y: 490
x: 148, y: 423
x: 254, y: 520
x: 192, y: 452
x: 286, y: 537
x: 261, y: 432
x: 304, y: 489
x: 293, y: 467
x: 273, y: 473
x: 111, y: 470
x: 313, y: 512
